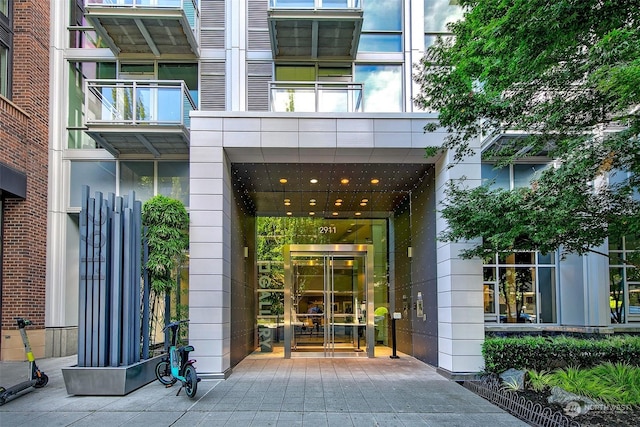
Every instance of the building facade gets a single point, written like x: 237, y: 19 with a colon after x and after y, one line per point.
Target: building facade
x: 24, y: 141
x: 288, y: 130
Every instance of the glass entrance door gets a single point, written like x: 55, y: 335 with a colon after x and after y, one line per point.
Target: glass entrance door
x: 326, y: 295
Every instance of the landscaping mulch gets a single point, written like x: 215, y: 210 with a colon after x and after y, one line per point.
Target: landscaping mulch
x: 612, y: 417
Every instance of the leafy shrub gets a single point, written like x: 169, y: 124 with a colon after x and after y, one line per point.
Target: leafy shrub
x: 539, y: 381
x: 546, y: 353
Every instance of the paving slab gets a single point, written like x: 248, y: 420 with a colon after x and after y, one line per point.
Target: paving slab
x: 260, y: 392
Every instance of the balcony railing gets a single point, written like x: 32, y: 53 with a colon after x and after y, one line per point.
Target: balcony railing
x: 141, y: 102
x: 155, y: 21
x: 319, y: 97
x: 315, y: 4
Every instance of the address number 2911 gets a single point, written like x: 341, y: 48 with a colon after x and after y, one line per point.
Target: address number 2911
x: 327, y: 230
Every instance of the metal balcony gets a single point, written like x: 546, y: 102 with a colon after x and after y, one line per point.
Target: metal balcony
x: 155, y: 27
x: 315, y: 29
x: 315, y: 97
x: 139, y: 117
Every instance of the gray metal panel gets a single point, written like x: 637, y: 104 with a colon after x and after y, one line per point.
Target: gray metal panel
x: 116, y: 288
x: 83, y: 277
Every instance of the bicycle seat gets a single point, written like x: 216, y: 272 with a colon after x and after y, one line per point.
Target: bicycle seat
x: 186, y: 348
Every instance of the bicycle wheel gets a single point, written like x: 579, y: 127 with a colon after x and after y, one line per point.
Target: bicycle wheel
x: 191, y: 381
x: 163, y: 373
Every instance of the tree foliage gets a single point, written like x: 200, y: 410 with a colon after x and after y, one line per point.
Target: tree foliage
x: 167, y: 224
x: 563, y: 78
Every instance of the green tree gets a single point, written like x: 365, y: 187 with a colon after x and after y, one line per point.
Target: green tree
x: 563, y: 74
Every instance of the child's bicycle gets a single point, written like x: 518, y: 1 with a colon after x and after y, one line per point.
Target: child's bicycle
x: 177, y: 365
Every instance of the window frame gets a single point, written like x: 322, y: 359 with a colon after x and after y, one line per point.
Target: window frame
x: 6, y: 42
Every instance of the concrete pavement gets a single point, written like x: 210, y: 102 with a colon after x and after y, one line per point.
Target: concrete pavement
x: 266, y: 392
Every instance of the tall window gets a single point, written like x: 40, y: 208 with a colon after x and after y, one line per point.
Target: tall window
x: 624, y: 279
x: 382, y: 26
x: 5, y: 48
x: 520, y: 288
x: 4, y: 70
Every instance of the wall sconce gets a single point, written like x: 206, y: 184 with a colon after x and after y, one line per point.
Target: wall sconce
x: 246, y: 252
x: 409, y: 251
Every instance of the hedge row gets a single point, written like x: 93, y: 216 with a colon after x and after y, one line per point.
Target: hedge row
x: 548, y: 353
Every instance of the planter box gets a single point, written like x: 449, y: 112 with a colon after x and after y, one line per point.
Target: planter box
x: 109, y: 381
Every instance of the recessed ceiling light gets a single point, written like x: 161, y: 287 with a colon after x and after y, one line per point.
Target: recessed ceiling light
x: 289, y: 213
x: 363, y: 204
x: 365, y: 200
x: 339, y: 200
x: 338, y: 203
x: 283, y: 180
x: 335, y: 214
x: 344, y: 181
x: 312, y: 213
x: 375, y: 180
x: 312, y: 200
x: 313, y: 181
x: 287, y: 200
x: 287, y: 203
x: 312, y: 203
x: 358, y: 213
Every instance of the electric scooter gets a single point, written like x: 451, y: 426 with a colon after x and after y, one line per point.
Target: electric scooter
x: 36, y: 378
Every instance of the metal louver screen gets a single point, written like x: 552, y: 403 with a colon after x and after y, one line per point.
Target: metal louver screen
x: 259, y: 74
x: 212, y: 24
x: 258, y: 28
x: 213, y: 86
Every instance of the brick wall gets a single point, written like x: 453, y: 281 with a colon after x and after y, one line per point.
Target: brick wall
x: 24, y: 147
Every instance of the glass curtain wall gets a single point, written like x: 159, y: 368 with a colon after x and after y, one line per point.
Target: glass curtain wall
x: 275, y: 233
x: 624, y: 279
x: 520, y: 288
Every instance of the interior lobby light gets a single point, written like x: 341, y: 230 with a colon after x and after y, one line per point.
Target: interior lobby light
x: 289, y: 213
x: 365, y: 200
x: 375, y: 180
x: 335, y: 214
x: 312, y: 213
x: 344, y: 181
x: 338, y: 203
x: 358, y: 213
x: 363, y: 204
x: 313, y: 181
x: 283, y: 180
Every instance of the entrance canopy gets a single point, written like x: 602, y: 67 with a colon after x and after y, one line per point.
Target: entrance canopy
x: 326, y: 190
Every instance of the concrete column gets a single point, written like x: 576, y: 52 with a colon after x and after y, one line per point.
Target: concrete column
x: 460, y: 290
x: 56, y: 286
x: 209, y: 249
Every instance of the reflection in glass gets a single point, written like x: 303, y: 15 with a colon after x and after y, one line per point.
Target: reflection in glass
x: 138, y: 177
x: 498, y: 178
x: 382, y: 87
x: 370, y: 42
x: 99, y: 176
x: 382, y: 15
x: 616, y: 295
x: 489, y: 298
x: 173, y: 180
x: 439, y: 13
x: 517, y: 294
x: 523, y: 174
